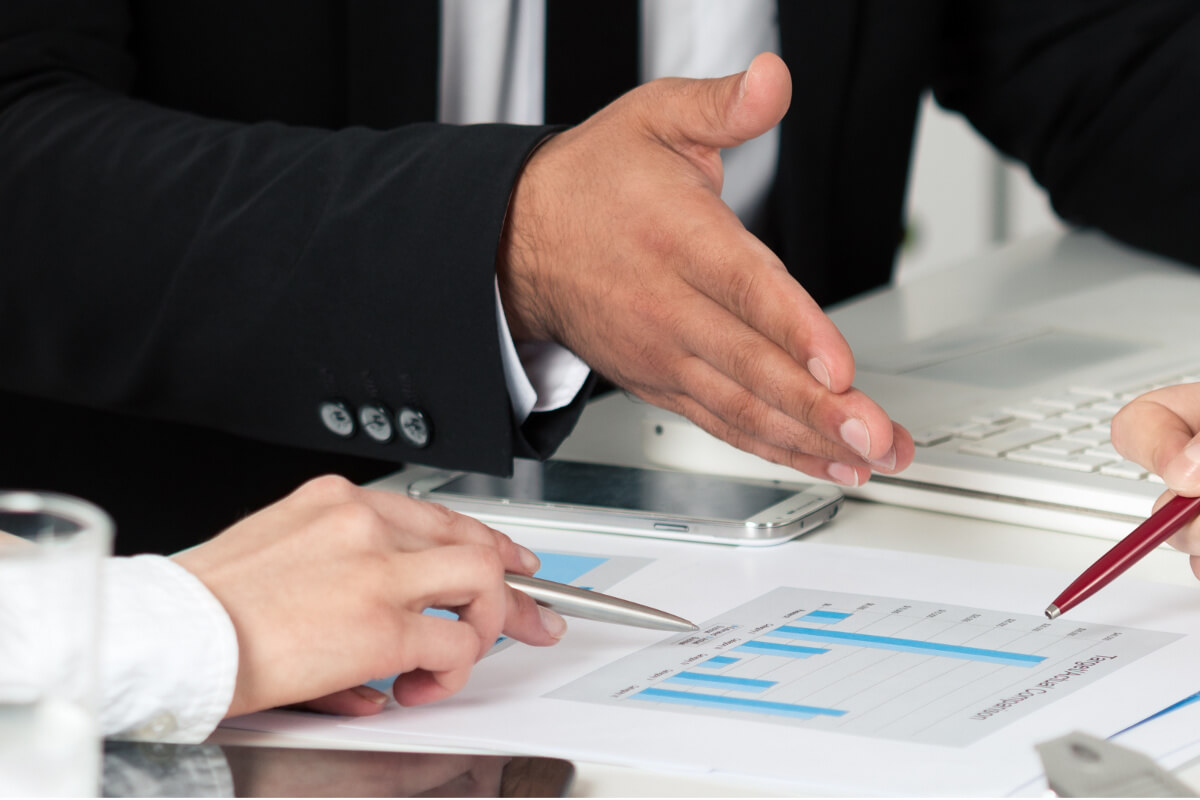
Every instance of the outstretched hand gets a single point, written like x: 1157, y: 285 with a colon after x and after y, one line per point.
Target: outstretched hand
x: 618, y: 246
x: 1161, y: 431
x: 327, y: 588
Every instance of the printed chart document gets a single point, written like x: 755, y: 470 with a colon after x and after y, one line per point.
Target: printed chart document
x: 832, y: 669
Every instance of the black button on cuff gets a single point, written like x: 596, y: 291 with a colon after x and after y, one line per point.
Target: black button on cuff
x: 415, y: 428
x: 337, y: 418
x: 376, y: 422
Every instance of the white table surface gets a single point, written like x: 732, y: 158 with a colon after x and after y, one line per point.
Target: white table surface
x: 604, y: 434
x: 860, y: 524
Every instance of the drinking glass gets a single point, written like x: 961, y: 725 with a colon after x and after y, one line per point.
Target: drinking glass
x: 52, y: 549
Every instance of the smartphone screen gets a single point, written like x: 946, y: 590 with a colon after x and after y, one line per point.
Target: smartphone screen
x: 678, y: 494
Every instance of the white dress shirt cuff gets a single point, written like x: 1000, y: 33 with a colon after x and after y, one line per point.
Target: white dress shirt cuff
x: 541, y: 376
x: 169, y: 652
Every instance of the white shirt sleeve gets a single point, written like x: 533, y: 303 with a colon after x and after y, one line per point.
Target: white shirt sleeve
x: 541, y: 376
x: 169, y: 652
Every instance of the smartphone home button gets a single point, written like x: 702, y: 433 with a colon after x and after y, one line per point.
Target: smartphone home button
x: 670, y: 526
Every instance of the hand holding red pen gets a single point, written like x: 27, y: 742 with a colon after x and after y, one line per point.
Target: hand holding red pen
x: 1161, y: 431
x: 1158, y: 430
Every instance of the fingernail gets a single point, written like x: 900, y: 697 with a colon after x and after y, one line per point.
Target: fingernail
x: 529, y: 559
x: 887, y: 463
x: 856, y: 436
x: 844, y: 474
x: 373, y: 695
x: 1183, y: 472
x: 555, y: 625
x: 817, y: 367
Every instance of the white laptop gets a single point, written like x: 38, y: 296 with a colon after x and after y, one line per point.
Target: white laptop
x: 1007, y: 371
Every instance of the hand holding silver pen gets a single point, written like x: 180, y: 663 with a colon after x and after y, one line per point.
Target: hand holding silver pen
x: 573, y: 601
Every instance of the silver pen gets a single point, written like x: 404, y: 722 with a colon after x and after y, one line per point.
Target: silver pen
x: 572, y: 601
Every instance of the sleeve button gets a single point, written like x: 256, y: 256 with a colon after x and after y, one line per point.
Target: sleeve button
x: 414, y: 427
x: 376, y: 422
x: 337, y: 418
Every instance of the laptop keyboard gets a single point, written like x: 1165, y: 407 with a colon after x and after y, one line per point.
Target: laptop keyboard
x: 1067, y: 430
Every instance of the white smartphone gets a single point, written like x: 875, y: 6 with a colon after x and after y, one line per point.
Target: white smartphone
x: 641, y: 502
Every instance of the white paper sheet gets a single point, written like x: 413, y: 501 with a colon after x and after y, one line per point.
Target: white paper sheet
x: 943, y: 676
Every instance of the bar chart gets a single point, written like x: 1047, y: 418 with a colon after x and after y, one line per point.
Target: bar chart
x: 871, y: 666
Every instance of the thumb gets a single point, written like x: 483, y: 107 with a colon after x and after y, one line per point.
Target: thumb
x: 1182, y: 473
x: 725, y: 112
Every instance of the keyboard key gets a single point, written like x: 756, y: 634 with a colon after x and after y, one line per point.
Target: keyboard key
x: 1089, y: 415
x: 1066, y: 400
x: 977, y: 432
x: 1108, y: 406
x: 1102, y: 392
x: 931, y: 437
x: 1001, y: 443
x: 1108, y: 451
x: 1061, y: 446
x: 1094, y: 436
x: 1078, y: 462
x: 992, y: 418
x: 1031, y: 411
x: 1061, y: 426
x: 1124, y: 469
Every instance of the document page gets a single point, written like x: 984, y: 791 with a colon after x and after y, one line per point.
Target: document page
x: 871, y: 666
x: 830, y: 669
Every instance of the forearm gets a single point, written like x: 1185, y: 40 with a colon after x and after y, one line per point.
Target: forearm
x: 237, y: 275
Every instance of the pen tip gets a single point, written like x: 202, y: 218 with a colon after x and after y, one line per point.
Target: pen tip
x: 1052, y: 612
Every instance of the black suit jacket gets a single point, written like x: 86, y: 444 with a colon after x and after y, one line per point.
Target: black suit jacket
x: 215, y: 216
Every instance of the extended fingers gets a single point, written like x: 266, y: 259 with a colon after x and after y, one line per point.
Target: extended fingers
x: 420, y: 524
x: 753, y: 387
x: 744, y: 278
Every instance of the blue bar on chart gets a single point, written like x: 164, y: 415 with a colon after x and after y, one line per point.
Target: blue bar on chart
x: 777, y: 649
x: 824, y: 616
x: 716, y: 662
x: 722, y: 681
x: 736, y: 703
x: 909, y: 646
x: 566, y: 567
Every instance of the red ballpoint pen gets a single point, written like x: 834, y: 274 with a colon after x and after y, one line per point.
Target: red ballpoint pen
x: 1178, y: 511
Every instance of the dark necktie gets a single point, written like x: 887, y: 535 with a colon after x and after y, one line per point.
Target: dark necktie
x: 591, y: 56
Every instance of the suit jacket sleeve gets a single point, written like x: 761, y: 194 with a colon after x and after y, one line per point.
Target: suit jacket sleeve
x: 237, y: 275
x: 1100, y: 99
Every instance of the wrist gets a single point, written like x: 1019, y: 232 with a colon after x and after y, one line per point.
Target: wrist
x: 518, y: 254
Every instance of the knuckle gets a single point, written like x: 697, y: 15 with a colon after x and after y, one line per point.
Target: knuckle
x: 441, y: 516
x: 463, y: 529
x: 328, y: 489
x: 744, y: 412
x: 482, y: 561
x: 358, y: 522
x: 741, y: 288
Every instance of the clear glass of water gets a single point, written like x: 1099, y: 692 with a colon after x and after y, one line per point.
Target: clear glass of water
x: 52, y: 549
